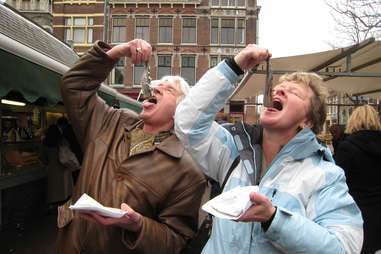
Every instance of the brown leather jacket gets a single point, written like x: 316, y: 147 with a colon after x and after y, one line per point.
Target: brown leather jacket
x: 164, y: 184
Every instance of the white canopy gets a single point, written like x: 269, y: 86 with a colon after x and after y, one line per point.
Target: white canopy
x: 355, y: 70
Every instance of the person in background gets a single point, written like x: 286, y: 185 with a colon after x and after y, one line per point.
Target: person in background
x: 303, y: 204
x: 68, y: 134
x: 130, y: 161
x: 337, y: 133
x: 59, y: 180
x: 9, y: 130
x: 359, y: 154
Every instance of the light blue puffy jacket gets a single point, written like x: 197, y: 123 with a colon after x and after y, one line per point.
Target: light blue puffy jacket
x: 315, y: 212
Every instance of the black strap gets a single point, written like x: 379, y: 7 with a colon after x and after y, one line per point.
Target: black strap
x: 232, y: 167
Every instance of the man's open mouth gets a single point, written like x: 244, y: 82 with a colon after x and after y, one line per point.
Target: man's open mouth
x: 152, y: 100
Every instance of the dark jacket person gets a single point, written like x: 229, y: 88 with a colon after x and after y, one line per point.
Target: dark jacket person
x: 359, y: 154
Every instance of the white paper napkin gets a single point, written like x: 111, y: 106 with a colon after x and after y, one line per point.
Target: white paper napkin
x: 86, y: 204
x: 231, y: 204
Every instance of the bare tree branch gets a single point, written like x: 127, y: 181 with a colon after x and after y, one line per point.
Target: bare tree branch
x: 356, y: 20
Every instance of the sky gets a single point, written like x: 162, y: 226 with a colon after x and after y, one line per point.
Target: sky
x: 295, y: 27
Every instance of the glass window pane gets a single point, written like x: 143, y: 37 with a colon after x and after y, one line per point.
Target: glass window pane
x: 68, y: 21
x: 90, y: 21
x: 241, y: 36
x: 89, y: 35
x: 67, y: 34
x: 165, y: 35
x: 163, y: 71
x: 79, y: 35
x: 227, y: 35
x: 79, y: 21
x: 213, y: 61
x: 227, y: 23
x: 214, y: 35
x: 188, y: 73
x: 215, y: 2
x: 164, y: 66
x: 189, y: 35
x: 142, y: 28
x: 224, y: 2
x: 138, y: 72
x: 214, y: 22
x: 119, y: 76
x: 241, y: 3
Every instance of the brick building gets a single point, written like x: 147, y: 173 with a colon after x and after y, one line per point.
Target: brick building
x: 188, y: 37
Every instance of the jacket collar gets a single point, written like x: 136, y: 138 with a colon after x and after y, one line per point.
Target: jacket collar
x: 170, y: 145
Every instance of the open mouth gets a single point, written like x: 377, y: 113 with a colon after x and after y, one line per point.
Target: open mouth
x: 277, y: 105
x: 152, y: 100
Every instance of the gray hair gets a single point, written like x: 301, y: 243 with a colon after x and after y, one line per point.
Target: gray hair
x: 184, y: 86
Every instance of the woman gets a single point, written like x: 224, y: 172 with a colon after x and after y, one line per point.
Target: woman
x: 59, y: 179
x: 359, y: 154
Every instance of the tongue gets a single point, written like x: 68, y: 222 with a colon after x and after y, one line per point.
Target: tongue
x: 148, y: 104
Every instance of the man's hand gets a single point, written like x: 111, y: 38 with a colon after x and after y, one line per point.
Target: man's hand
x: 251, y: 56
x: 138, y: 50
x: 131, y: 221
x: 261, y: 210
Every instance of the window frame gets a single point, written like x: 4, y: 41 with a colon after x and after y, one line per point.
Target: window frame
x: 166, y: 29
x: 70, y: 27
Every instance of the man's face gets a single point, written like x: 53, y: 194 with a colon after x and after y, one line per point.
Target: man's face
x: 160, y: 108
x: 290, y: 107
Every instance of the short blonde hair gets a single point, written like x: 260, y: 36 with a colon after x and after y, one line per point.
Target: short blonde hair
x: 317, y: 111
x: 364, y: 117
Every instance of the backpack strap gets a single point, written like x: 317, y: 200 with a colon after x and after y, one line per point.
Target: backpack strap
x: 247, y: 139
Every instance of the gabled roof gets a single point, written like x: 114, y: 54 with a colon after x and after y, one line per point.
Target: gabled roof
x: 362, y: 77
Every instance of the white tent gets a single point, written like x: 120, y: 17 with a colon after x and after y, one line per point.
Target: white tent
x: 355, y: 70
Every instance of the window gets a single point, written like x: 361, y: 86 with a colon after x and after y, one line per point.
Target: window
x: 214, y: 32
x: 240, y: 31
x: 213, y: 61
x: 79, y: 30
x: 188, y: 69
x: 228, y: 31
x: 164, y: 66
x: 138, y: 72
x: 118, y: 77
x: 165, y: 30
x: 189, y: 30
x: 119, y: 29
x: 229, y: 3
x: 142, y: 28
x: 241, y: 3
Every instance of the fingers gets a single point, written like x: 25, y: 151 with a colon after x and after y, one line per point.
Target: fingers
x: 261, y: 210
x: 131, y: 214
x: 251, y: 56
x: 140, y: 51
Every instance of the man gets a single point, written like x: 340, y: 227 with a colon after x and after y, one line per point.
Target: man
x: 303, y: 205
x: 132, y: 162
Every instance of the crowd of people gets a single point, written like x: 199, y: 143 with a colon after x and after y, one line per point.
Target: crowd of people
x: 153, y: 165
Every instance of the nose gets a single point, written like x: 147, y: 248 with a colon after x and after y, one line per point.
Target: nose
x: 279, y: 91
x: 156, y: 90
